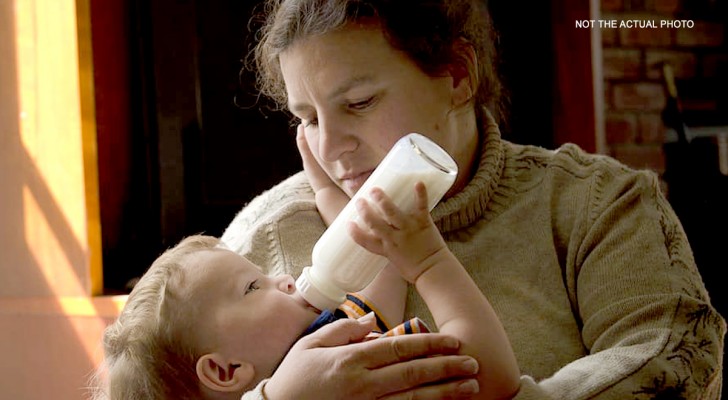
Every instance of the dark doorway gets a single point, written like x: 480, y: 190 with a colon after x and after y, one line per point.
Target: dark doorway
x: 201, y: 143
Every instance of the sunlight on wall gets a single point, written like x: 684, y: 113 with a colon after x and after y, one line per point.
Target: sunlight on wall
x: 57, y: 131
x: 50, y: 109
x: 57, y: 121
x: 44, y: 246
x: 50, y: 260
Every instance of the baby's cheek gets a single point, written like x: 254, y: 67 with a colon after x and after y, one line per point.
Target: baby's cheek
x: 294, y: 320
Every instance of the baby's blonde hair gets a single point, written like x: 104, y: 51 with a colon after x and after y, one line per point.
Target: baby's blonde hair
x: 149, y: 352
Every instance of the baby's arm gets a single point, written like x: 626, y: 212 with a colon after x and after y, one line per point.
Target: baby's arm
x: 330, y: 199
x: 414, y: 245
x: 388, y: 291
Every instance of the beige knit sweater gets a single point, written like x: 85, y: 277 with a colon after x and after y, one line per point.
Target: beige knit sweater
x: 582, y: 258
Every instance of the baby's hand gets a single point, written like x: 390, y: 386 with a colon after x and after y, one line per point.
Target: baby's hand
x: 410, y: 241
x: 330, y: 199
x: 316, y: 175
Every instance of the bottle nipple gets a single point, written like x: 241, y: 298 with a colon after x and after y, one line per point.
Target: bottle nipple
x: 320, y: 294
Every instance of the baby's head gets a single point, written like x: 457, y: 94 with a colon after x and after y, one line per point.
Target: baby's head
x: 203, y: 322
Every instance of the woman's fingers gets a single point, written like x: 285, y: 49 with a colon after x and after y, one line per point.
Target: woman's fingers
x: 387, y: 351
x: 415, y: 376
x: 419, y: 366
x: 409, y: 362
x: 341, y: 332
x: 458, y: 389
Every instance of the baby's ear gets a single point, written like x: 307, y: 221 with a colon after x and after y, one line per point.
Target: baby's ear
x: 223, y: 375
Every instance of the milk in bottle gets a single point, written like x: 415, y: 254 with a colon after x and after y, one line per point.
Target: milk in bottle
x: 341, y: 266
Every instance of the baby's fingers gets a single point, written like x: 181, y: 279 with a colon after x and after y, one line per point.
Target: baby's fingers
x: 421, y: 197
x: 365, y: 239
x: 389, y: 211
x: 371, y: 218
x: 316, y: 175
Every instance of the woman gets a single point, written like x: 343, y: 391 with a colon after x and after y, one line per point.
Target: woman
x: 582, y: 258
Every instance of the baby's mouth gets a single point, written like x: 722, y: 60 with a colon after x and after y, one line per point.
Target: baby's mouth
x: 300, y: 300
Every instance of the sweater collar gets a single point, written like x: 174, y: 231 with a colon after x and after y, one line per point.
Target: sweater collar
x: 469, y: 205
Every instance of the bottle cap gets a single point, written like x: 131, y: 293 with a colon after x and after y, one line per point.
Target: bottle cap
x: 432, y: 153
x: 309, y: 287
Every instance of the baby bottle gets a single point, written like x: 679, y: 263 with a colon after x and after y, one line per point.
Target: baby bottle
x: 341, y: 266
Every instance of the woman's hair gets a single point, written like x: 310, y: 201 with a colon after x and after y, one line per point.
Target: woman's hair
x: 426, y: 30
x: 149, y: 352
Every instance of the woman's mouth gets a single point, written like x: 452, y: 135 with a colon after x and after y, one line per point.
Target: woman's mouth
x: 352, y: 183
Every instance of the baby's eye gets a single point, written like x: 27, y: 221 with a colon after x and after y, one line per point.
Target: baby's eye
x: 252, y: 287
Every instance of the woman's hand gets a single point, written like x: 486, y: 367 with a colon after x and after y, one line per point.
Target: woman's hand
x: 330, y: 199
x: 332, y: 363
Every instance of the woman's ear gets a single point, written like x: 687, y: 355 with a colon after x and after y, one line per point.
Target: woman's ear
x: 464, y: 72
x: 223, y: 375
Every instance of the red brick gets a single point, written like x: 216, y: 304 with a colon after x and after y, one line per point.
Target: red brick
x: 608, y: 96
x: 636, y: 5
x: 642, y: 96
x: 715, y: 65
x: 620, y: 127
x: 621, y: 63
x: 699, y: 104
x: 645, y: 37
x: 684, y: 64
x: 635, y: 37
x: 707, y: 34
x: 666, y: 6
x: 609, y: 37
x: 612, y: 5
x: 641, y: 156
x: 651, y: 128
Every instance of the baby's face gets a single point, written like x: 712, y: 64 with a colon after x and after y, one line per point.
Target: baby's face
x: 250, y: 316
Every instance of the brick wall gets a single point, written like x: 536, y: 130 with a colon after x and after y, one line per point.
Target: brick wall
x: 632, y: 60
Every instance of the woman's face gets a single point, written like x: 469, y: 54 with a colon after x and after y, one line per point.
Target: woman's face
x: 356, y: 95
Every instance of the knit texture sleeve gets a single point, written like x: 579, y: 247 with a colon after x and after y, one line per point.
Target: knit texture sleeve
x: 256, y: 393
x: 277, y: 229
x: 259, y: 210
x: 647, y: 323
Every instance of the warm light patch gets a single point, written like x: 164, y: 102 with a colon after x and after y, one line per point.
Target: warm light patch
x: 48, y: 253
x: 58, y: 168
x: 50, y: 116
x: 104, y: 306
x: 109, y: 306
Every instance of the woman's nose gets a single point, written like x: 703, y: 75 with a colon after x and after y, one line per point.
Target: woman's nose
x: 335, y: 139
x: 285, y: 283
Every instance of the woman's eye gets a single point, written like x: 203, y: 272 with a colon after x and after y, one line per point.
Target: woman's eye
x: 305, y: 122
x: 360, y: 105
x: 252, y: 287
x: 310, y: 122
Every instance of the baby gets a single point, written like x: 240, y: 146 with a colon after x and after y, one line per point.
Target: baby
x: 204, y: 322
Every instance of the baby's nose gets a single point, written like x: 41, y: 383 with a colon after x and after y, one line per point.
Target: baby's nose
x: 286, y: 283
